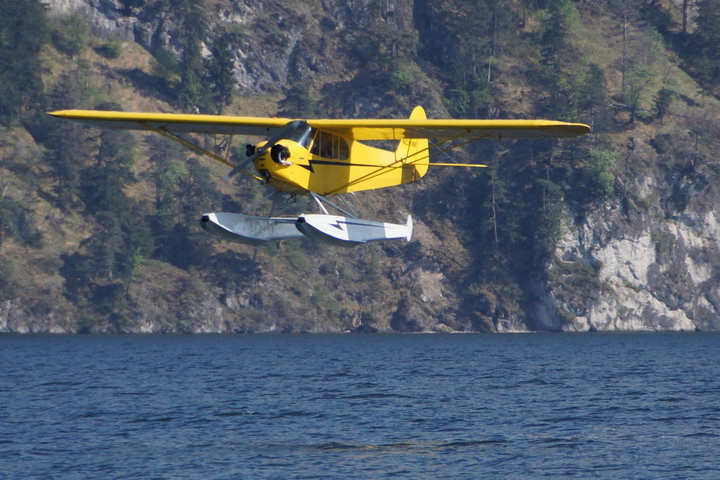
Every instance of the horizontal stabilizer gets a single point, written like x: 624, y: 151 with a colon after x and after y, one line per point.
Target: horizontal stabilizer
x: 249, y: 230
x: 348, y: 231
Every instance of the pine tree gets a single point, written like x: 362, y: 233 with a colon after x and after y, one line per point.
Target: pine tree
x: 192, y: 95
x: 23, y: 28
x: 594, y: 98
x: 184, y: 191
x: 101, y: 276
x: 67, y: 142
x: 169, y: 167
x: 300, y: 102
x: 221, y: 69
x: 102, y: 184
x: 707, y: 40
x: 557, y: 61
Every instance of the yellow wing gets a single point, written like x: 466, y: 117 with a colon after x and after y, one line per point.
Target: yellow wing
x: 478, y: 129
x: 380, y: 129
x: 180, y: 123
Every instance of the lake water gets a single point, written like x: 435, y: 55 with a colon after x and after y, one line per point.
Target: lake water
x: 616, y: 406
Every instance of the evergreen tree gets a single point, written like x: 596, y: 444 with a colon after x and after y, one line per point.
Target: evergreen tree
x: 469, y: 36
x: 184, y: 191
x: 558, y: 60
x: 100, y: 277
x: 18, y: 221
x: 103, y: 183
x: 300, y: 102
x: 221, y: 69
x: 70, y: 34
x: 192, y: 94
x: 593, y: 94
x: 94, y: 280
x: 67, y: 142
x: 707, y: 40
x: 663, y: 100
x: 166, y: 175
x: 187, y: 245
x: 103, y: 191
x: 23, y: 28
x: 192, y: 90
x: 197, y: 192
x: 104, y: 247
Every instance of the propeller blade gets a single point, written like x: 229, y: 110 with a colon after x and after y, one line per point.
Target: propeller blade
x: 240, y: 167
x: 282, y: 134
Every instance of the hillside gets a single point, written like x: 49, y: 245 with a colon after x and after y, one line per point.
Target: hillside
x: 615, y: 231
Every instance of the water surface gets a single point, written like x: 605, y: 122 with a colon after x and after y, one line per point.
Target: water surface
x: 620, y: 406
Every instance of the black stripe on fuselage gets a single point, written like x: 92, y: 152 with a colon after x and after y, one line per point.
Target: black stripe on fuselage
x: 335, y: 163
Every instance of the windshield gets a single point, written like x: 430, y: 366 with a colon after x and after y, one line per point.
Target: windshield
x: 299, y: 132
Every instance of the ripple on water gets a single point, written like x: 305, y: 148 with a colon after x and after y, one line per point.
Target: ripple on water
x: 443, y: 406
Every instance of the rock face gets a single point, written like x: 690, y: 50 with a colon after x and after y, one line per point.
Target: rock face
x: 278, y: 53
x: 646, y: 260
x: 652, y: 273
x: 14, y: 318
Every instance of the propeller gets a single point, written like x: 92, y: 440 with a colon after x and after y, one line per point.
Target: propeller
x: 259, y: 151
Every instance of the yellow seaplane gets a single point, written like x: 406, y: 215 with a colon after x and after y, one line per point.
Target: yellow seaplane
x: 322, y: 158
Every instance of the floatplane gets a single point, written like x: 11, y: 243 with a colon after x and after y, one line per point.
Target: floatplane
x: 323, y: 158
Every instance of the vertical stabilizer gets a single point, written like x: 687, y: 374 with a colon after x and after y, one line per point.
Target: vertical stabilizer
x: 413, y: 151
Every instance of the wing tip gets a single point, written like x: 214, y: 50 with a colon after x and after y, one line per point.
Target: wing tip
x: 575, y: 129
x: 569, y: 129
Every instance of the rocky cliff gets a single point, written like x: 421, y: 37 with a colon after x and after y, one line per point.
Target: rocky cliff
x: 640, y: 255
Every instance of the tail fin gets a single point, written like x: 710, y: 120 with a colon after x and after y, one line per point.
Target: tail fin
x: 413, y: 150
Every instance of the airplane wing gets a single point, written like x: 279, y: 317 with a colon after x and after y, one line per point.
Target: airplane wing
x: 380, y: 129
x: 177, y: 123
x: 443, y: 129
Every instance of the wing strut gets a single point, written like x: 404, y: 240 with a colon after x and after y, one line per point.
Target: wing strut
x: 453, y: 147
x: 319, y: 198
x: 196, y: 148
x: 347, y: 204
x: 436, y: 145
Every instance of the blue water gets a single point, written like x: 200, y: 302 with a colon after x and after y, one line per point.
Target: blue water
x: 617, y: 406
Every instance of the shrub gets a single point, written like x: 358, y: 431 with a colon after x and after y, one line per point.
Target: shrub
x: 110, y: 50
x: 401, y: 78
x: 166, y: 64
x: 70, y: 34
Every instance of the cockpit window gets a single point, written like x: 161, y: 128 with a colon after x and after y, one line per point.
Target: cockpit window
x: 301, y: 133
x: 327, y: 145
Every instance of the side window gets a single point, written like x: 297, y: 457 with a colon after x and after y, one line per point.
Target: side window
x: 327, y: 145
x: 343, y: 151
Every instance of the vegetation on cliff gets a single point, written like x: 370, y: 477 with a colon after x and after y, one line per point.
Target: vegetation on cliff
x: 99, y: 231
